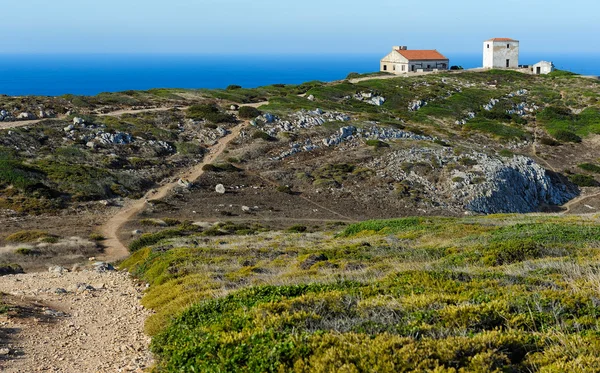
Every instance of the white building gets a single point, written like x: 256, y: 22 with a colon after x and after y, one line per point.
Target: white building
x: 402, y: 60
x: 542, y: 68
x: 501, y: 53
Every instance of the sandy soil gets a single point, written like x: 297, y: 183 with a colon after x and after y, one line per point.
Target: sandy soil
x: 99, y: 329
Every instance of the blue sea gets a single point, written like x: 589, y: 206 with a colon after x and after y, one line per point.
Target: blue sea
x: 54, y: 75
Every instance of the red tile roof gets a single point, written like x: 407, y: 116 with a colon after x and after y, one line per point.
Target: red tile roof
x: 501, y: 39
x: 422, y: 55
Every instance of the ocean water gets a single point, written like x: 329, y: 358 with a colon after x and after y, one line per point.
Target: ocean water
x: 54, y: 75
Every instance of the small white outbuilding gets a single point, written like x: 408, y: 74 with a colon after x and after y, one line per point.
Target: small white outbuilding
x: 542, y: 68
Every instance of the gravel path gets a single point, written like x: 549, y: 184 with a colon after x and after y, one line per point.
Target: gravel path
x: 95, y: 326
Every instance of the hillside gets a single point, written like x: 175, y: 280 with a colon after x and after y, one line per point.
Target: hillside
x: 276, y: 257
x: 501, y: 293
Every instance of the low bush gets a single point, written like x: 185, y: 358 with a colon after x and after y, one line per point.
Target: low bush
x: 149, y: 239
x: 566, y: 136
x: 591, y: 167
x: 549, y: 141
x: 249, y: 112
x: 27, y: 236
x: 583, y: 180
x: 209, y: 112
x: 233, y: 87
x: 377, y: 144
x: 298, y: 228
x: 225, y: 167
x: 284, y: 189
x: 26, y: 251
x: 10, y: 269
x: 263, y: 135
x: 97, y: 237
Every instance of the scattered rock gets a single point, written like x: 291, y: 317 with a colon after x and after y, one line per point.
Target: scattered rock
x: 220, y: 188
x: 103, y: 267
x: 246, y: 209
x: 184, y: 184
x: 57, y: 269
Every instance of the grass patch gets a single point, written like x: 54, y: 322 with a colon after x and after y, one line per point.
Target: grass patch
x: 27, y: 236
x: 495, y: 129
x: 590, y: 167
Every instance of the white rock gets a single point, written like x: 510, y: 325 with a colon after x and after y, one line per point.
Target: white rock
x: 220, y: 188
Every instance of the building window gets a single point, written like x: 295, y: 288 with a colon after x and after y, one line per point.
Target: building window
x: 507, y: 46
x: 488, y: 46
x: 403, y: 67
x: 384, y: 67
x: 394, y: 67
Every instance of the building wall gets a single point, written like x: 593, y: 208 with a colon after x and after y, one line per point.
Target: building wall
x: 495, y: 54
x: 394, y: 59
x: 395, y: 63
x: 545, y: 68
x: 435, y: 64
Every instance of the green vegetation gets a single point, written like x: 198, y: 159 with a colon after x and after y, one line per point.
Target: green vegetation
x: 209, y: 112
x: 591, y: 167
x: 263, y: 135
x: 562, y: 122
x: 482, y: 294
x: 496, y: 129
x: 27, y: 236
x: 97, y: 237
x: 377, y: 144
x: 10, y: 269
x: 583, y: 180
x: 249, y: 112
x: 225, y: 167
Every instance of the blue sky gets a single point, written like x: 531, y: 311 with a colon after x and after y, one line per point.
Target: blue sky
x: 285, y: 26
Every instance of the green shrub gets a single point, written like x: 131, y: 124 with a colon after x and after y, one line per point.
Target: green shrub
x: 377, y: 144
x: 549, y: 141
x: 506, y: 153
x: 249, y: 112
x: 149, y: 239
x: 26, y: 251
x: 263, y: 135
x: 189, y: 148
x: 233, y: 87
x: 466, y: 161
x: 298, y: 228
x: 27, y: 236
x: 209, y: 112
x: 590, y: 167
x: 225, y: 167
x: 512, y: 251
x: 583, y: 180
x: 566, y: 136
x: 10, y: 269
x: 284, y: 189
x: 97, y: 237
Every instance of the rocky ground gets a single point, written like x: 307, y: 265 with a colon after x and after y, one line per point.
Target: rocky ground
x: 86, y: 321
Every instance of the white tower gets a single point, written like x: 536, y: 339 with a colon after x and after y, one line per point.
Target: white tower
x: 501, y: 53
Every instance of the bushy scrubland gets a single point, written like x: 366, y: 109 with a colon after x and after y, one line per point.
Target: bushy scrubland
x: 502, y: 293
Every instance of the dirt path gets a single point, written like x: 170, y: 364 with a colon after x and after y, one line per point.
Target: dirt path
x: 24, y: 123
x: 115, y: 250
x: 89, y: 322
x: 569, y: 205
